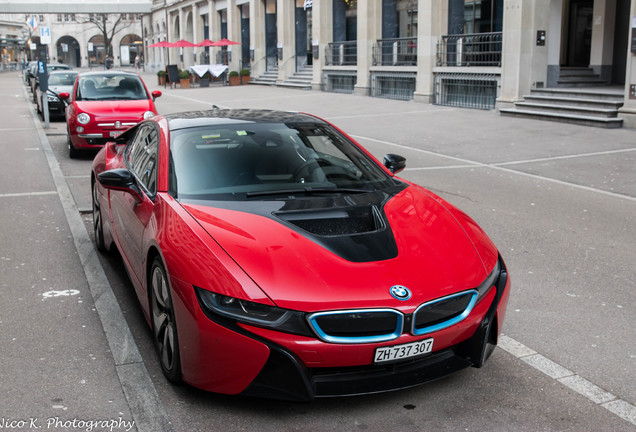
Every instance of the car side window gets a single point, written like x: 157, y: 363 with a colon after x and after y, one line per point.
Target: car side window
x: 142, y: 157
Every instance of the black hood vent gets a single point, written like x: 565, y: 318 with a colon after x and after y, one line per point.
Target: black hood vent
x: 336, y: 222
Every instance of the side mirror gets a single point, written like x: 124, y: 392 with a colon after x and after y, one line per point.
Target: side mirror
x: 64, y: 96
x: 120, y: 179
x: 394, y: 163
x: 155, y: 94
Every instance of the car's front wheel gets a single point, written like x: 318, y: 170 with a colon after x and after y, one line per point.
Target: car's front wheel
x: 164, y: 326
x: 72, y: 151
x: 98, y: 228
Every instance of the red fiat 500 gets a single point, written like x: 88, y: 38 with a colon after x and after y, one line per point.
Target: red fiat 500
x: 104, y: 105
x: 273, y: 256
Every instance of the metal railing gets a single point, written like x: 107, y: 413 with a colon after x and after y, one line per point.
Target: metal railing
x: 342, y: 53
x: 339, y: 82
x: 466, y: 90
x: 395, y: 52
x: 478, y: 49
x: 393, y: 85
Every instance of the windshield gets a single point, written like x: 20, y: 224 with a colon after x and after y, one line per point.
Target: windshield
x: 96, y: 87
x: 251, y: 160
x: 62, y: 79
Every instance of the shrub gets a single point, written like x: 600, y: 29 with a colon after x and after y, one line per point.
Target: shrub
x: 245, y: 72
x: 161, y: 73
x: 184, y: 74
x: 234, y: 73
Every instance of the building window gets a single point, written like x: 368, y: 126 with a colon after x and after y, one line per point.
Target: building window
x: 60, y: 18
x: 475, y: 16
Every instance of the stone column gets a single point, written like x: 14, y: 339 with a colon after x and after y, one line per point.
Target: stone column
x: 322, y: 15
x: 431, y: 18
x: 257, y: 37
x: 234, y: 34
x: 369, y: 31
x: 523, y: 62
x: 285, y: 26
x: 196, y: 37
x: 628, y: 111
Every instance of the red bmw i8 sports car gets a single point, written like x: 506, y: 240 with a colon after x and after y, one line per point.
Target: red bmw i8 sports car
x: 104, y: 104
x: 274, y: 256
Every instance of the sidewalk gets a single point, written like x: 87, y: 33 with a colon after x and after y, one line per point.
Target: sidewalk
x: 68, y: 360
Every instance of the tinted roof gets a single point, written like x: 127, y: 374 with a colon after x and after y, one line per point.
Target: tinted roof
x: 220, y: 116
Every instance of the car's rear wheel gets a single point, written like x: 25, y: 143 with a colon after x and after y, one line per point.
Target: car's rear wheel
x: 98, y: 228
x: 72, y: 151
x: 164, y: 326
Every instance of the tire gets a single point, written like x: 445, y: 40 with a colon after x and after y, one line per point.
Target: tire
x: 73, y: 153
x: 164, y: 326
x: 98, y: 227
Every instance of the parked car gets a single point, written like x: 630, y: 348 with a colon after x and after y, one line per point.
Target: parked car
x: 104, y: 104
x: 26, y: 73
x: 60, y: 81
x: 35, y: 83
x: 273, y: 256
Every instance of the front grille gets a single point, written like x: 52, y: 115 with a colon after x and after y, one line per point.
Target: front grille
x: 443, y: 312
x: 357, y: 326
x: 381, y: 325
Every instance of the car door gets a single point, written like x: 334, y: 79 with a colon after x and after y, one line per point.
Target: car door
x: 131, y: 214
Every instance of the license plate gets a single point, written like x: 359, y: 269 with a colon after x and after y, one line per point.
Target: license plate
x: 114, y: 134
x: 399, y: 352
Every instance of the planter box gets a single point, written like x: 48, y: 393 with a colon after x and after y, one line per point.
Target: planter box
x: 204, y: 82
x: 185, y: 83
x: 161, y: 80
x: 245, y: 79
x: 235, y: 80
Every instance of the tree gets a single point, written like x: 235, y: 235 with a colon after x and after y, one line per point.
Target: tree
x: 107, y: 27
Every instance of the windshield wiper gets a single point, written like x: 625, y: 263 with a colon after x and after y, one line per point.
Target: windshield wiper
x: 306, y: 191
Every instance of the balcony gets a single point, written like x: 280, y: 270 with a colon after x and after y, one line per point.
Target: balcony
x: 395, y: 52
x: 470, y: 50
x: 343, y: 53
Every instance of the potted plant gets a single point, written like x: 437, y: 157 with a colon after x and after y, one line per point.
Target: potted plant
x: 161, y: 77
x: 204, y: 81
x: 235, y: 79
x: 245, y: 76
x: 184, y: 78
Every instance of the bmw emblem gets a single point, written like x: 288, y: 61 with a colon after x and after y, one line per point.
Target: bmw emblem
x: 117, y: 124
x: 400, y: 292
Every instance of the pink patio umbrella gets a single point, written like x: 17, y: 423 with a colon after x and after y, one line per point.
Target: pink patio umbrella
x: 181, y: 44
x: 206, y: 43
x: 162, y: 44
x: 225, y: 42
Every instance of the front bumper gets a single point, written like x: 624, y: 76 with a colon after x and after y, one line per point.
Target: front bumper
x: 240, y: 359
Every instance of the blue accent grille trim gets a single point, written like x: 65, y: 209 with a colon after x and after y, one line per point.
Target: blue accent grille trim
x: 354, y: 319
x: 455, y: 317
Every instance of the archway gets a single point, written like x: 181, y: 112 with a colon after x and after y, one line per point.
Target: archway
x: 130, y: 47
x: 96, y: 50
x: 68, y: 51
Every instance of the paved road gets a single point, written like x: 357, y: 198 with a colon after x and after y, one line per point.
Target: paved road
x: 558, y: 200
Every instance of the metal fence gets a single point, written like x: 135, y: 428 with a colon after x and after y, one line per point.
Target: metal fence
x: 395, y: 52
x: 340, y: 82
x: 393, y: 85
x: 342, y: 53
x: 466, y: 90
x: 479, y: 49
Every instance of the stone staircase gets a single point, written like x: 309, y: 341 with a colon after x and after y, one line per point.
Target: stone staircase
x: 301, y: 79
x: 268, y: 78
x: 579, y: 77
x: 587, y: 107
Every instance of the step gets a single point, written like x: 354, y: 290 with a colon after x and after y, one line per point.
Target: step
x: 612, y: 95
x: 576, y: 72
x: 575, y: 101
x: 288, y: 84
x: 568, y: 109
x: 609, y: 123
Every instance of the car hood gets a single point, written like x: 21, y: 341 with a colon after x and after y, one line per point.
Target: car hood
x: 415, y: 242
x: 117, y: 109
x: 57, y: 89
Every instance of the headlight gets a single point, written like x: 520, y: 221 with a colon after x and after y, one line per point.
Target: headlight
x: 260, y: 315
x: 148, y: 114
x: 83, y: 118
x: 52, y: 98
x: 489, y: 282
